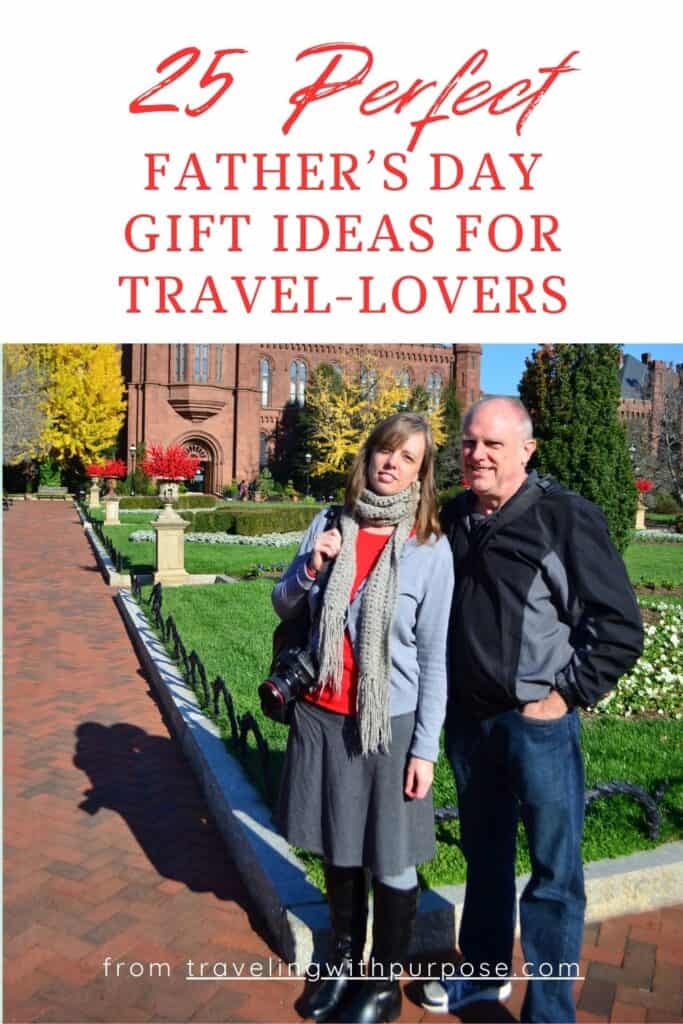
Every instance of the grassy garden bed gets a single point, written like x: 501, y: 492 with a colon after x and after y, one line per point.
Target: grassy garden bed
x: 199, y: 558
x: 231, y: 627
x: 655, y: 567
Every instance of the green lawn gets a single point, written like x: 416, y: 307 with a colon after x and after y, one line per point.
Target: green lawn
x: 231, y: 629
x: 136, y: 518
x: 655, y: 563
x: 233, y: 559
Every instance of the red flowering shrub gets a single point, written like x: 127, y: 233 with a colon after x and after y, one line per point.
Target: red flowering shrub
x: 116, y: 468
x: 94, y: 470
x: 172, y: 463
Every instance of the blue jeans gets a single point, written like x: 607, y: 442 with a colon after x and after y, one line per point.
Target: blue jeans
x: 507, y: 767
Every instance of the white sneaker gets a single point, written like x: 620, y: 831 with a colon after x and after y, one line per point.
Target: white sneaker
x: 449, y: 996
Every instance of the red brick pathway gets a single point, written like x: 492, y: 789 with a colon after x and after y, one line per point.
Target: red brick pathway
x: 110, y: 851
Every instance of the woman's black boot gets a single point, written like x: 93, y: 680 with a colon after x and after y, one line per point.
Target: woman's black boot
x: 378, y: 998
x: 347, y: 894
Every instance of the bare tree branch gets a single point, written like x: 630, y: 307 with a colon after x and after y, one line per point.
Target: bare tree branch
x: 23, y: 393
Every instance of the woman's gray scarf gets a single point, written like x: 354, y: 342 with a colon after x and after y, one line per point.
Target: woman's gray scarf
x: 377, y: 610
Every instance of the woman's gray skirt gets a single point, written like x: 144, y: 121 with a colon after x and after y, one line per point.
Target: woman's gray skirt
x: 350, y: 808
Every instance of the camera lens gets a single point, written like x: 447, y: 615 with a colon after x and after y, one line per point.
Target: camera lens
x: 272, y: 700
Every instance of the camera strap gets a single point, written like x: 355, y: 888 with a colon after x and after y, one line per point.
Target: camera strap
x: 297, y: 632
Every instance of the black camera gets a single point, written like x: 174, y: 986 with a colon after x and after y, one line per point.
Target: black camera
x: 293, y: 672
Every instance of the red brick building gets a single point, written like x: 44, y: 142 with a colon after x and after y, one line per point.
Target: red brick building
x: 224, y: 401
x: 646, y: 388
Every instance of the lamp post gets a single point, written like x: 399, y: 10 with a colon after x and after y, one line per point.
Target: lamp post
x: 133, y: 453
x: 307, y: 457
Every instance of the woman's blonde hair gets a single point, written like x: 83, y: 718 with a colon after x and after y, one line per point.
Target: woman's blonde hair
x: 391, y: 433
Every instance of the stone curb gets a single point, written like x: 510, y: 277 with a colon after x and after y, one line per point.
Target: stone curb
x: 111, y: 577
x: 293, y: 909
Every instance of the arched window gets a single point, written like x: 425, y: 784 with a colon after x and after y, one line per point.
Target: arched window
x: 201, y: 363
x: 262, y: 450
x: 265, y: 383
x: 180, y: 362
x: 403, y: 377
x: 297, y: 382
x: 434, y: 389
x: 368, y: 383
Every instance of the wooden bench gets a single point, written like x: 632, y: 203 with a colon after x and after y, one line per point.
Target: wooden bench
x: 53, y: 493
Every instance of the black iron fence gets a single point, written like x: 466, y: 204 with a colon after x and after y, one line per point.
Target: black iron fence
x: 648, y: 801
x: 209, y: 694
x: 107, y: 544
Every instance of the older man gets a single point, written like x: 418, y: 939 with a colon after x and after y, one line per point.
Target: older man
x: 544, y: 621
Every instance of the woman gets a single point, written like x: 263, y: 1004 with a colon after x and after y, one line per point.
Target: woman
x: 360, y: 758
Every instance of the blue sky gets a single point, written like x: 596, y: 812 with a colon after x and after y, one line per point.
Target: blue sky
x: 503, y: 365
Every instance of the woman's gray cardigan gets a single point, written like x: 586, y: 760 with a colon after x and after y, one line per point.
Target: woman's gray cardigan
x: 418, y: 632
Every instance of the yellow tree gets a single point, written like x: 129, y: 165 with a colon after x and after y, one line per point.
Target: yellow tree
x: 344, y: 405
x: 83, y: 404
x: 334, y: 407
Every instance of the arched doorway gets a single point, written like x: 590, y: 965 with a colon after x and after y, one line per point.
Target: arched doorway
x: 209, y: 480
x: 203, y: 482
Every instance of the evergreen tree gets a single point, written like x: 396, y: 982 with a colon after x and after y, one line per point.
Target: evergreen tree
x: 572, y: 393
x: 448, y: 469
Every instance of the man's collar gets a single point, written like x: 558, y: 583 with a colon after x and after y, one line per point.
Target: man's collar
x: 530, y: 479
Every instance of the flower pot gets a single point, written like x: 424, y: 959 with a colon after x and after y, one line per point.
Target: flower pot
x: 168, y: 490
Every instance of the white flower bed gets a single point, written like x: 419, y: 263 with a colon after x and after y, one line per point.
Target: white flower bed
x: 269, y: 540
x: 655, y: 684
x: 658, y: 536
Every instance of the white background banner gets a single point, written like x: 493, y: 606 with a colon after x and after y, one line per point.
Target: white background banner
x: 439, y: 217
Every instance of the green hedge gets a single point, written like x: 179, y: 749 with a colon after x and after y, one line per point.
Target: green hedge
x: 251, y: 522
x: 139, y: 501
x: 667, y: 504
x: 195, y: 501
x: 218, y: 520
x: 184, y: 501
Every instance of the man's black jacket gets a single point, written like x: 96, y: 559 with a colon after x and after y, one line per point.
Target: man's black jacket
x: 541, y: 600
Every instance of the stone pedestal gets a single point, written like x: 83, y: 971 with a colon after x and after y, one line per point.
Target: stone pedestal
x: 640, y: 516
x: 94, y: 500
x: 170, y: 548
x: 111, y: 512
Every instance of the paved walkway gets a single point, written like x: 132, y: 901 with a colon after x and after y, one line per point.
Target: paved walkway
x: 110, y: 851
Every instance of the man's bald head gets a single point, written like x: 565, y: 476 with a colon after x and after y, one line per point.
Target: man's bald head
x: 497, y: 443
x: 509, y: 407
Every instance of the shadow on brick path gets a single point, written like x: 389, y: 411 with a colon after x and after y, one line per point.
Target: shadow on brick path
x: 136, y: 775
